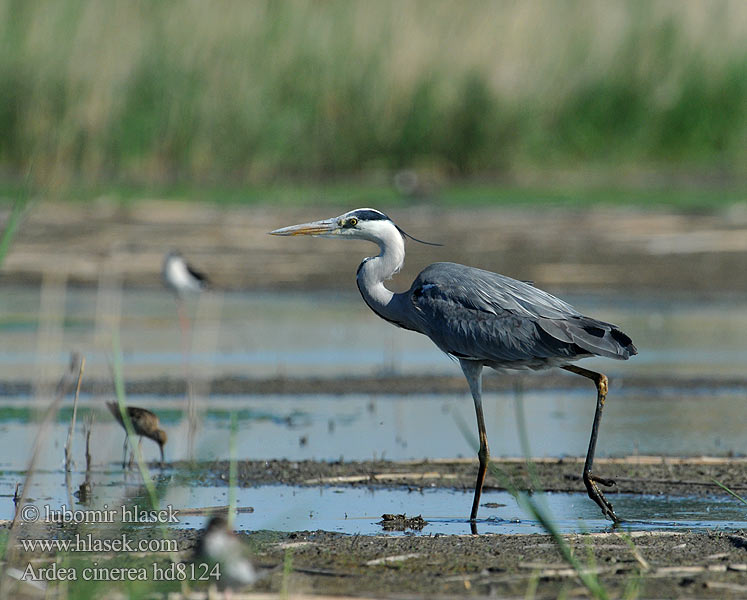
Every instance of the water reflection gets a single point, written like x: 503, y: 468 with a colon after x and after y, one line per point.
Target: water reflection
x: 358, y: 510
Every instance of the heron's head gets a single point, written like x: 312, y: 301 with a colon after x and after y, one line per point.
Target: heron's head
x: 359, y: 224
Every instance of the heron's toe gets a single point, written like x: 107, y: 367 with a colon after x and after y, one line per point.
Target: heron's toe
x: 603, y: 481
x: 596, y: 494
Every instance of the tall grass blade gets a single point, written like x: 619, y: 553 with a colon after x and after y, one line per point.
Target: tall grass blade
x: 729, y: 491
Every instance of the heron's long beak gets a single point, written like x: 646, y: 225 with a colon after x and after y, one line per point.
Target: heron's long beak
x: 325, y: 228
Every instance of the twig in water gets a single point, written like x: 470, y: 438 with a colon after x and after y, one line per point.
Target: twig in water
x: 87, y: 428
x: 16, y: 497
x: 85, y: 488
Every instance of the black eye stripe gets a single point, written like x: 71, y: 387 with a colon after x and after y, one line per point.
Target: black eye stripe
x: 370, y: 215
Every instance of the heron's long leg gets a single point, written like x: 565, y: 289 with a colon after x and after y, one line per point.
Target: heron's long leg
x: 473, y: 372
x: 124, y: 451
x: 590, y: 480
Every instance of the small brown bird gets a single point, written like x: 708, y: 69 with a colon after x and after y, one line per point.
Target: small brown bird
x: 144, y: 423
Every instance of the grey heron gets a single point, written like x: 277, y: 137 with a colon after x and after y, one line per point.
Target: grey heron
x: 482, y: 319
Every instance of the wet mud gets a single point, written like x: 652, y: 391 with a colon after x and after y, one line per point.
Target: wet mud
x: 636, y: 565
x: 682, y: 565
x: 600, y: 248
x: 636, y: 474
x: 231, y: 385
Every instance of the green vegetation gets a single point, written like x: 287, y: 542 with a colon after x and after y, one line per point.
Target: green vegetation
x: 254, y: 92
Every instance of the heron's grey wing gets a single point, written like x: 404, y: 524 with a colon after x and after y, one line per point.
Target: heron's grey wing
x: 476, y: 314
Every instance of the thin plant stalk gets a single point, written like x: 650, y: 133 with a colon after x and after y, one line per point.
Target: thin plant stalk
x: 14, y: 220
x: 69, y: 442
x: 729, y: 491
x: 232, y: 470
x: 11, y: 227
x: 142, y: 466
x: 191, y: 410
x: 121, y: 402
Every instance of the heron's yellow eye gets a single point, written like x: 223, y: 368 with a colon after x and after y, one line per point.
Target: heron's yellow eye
x: 352, y: 222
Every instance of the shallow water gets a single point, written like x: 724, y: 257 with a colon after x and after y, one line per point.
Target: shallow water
x: 361, y: 427
x: 263, y: 335
x: 358, y: 510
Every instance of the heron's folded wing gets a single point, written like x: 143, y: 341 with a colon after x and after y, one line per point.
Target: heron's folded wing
x: 476, y: 314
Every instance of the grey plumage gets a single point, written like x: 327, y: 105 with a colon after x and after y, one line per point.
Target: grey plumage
x: 506, y: 324
x: 481, y: 319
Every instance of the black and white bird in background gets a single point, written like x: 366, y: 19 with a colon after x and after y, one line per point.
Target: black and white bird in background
x: 183, y: 280
x: 481, y: 319
x: 181, y: 277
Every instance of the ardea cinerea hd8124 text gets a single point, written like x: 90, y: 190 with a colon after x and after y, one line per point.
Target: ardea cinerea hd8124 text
x: 482, y: 319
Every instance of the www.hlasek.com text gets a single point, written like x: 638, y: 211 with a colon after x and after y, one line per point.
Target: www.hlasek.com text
x: 89, y: 543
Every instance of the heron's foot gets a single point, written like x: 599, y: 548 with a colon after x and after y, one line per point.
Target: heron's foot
x: 592, y: 489
x: 603, y: 481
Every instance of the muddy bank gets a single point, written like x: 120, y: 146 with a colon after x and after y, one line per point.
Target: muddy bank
x: 597, y: 248
x: 636, y: 475
x: 644, y: 565
x: 661, y: 565
x: 230, y: 385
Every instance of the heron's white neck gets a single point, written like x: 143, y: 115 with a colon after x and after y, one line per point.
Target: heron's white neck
x: 374, y: 271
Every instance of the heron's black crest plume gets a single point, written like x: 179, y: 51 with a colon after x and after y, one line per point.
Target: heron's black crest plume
x: 370, y: 214
x: 414, y: 239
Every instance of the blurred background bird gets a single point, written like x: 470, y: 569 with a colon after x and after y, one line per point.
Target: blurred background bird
x: 144, y: 423
x: 218, y: 545
x: 181, y: 277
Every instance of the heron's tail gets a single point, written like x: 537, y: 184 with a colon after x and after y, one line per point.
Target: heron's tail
x: 592, y: 336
